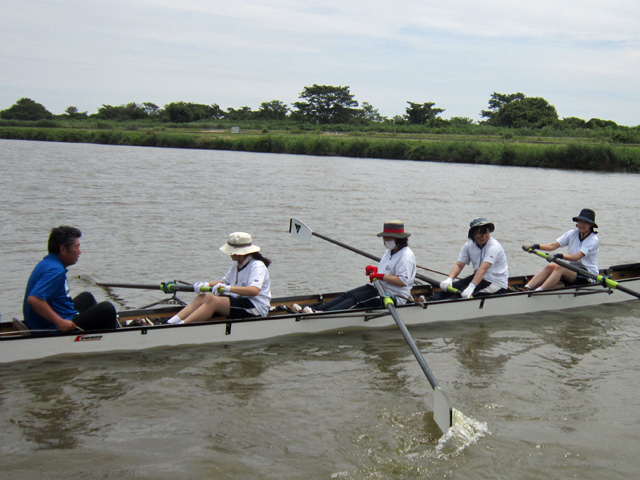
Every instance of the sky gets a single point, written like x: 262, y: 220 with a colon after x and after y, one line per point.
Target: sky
x: 582, y: 56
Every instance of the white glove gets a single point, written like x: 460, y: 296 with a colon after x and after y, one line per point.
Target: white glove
x: 467, y: 292
x: 197, y: 285
x: 446, y: 283
x: 220, y: 288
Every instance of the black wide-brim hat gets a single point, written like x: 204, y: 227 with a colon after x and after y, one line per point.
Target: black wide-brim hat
x: 394, y: 228
x: 587, y: 215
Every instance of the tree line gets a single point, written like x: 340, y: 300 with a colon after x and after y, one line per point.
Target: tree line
x: 325, y: 105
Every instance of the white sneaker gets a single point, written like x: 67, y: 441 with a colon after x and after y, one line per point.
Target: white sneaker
x: 174, y: 320
x: 308, y: 310
x: 296, y: 307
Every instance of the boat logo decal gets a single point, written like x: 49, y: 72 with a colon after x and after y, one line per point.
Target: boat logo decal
x: 87, y: 338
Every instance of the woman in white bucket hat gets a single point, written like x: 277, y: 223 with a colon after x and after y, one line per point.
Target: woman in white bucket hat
x: 244, y: 291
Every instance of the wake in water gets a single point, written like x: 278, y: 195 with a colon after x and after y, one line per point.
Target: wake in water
x: 464, y: 432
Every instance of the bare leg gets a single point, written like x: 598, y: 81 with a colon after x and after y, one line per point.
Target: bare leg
x: 192, y: 307
x: 206, y: 308
x: 558, y: 274
x: 540, y: 277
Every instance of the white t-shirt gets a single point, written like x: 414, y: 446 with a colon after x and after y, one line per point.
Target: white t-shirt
x: 254, y: 274
x: 403, y: 265
x: 493, y: 253
x: 589, y: 246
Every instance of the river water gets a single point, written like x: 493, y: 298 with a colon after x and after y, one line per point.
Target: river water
x: 551, y: 395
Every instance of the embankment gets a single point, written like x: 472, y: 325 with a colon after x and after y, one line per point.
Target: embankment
x: 568, y: 155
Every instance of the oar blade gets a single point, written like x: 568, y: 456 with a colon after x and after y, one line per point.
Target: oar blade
x: 299, y: 230
x: 442, y: 409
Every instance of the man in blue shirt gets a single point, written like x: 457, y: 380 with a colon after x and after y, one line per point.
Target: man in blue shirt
x: 47, y: 301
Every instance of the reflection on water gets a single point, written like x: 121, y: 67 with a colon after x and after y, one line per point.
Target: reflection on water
x: 351, y: 405
x: 531, y: 393
x: 59, y: 403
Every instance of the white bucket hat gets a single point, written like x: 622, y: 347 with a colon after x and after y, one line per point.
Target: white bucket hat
x: 239, y: 243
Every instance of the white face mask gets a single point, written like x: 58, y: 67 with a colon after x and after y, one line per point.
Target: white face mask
x: 390, y: 244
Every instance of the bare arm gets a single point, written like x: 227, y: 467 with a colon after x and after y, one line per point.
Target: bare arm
x: 573, y: 257
x: 549, y: 247
x: 457, y: 268
x: 43, y: 309
x: 479, y: 275
x: 245, y: 291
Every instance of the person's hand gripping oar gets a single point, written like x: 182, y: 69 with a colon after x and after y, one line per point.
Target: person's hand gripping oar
x: 303, y: 233
x: 603, y: 280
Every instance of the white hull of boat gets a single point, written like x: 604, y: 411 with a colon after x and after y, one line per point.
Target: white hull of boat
x: 16, y: 347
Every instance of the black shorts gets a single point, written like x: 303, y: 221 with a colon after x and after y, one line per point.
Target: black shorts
x: 582, y: 280
x: 242, y: 307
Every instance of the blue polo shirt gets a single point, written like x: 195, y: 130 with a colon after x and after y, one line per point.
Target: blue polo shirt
x: 48, y: 282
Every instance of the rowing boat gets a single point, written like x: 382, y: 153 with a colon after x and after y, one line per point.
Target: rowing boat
x: 143, y: 328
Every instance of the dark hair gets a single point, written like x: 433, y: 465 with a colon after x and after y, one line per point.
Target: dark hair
x: 258, y: 256
x: 62, y: 235
x: 401, y: 243
x: 481, y: 229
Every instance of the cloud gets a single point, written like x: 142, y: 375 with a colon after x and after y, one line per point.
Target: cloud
x: 581, y: 56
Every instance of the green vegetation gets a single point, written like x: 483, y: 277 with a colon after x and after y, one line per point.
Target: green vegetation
x: 517, y: 111
x: 517, y: 130
x: 26, y: 109
x: 570, y: 154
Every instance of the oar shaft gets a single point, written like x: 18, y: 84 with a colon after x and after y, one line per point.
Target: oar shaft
x: 173, y: 288
x: 442, y: 406
x: 424, y: 278
x: 405, y: 333
x: 414, y: 348
x: 626, y: 290
x: 348, y: 247
x: 130, y: 285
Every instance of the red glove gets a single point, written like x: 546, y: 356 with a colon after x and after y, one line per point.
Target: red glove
x: 369, y: 269
x: 376, y: 276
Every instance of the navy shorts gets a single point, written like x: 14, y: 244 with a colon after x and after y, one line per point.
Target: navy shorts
x: 582, y: 280
x: 242, y: 307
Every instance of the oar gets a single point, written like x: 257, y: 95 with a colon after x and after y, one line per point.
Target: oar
x: 112, y: 296
x: 166, y: 287
x: 303, y: 233
x: 601, y: 279
x: 442, y: 406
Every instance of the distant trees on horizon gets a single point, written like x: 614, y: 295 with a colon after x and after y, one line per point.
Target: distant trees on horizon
x: 322, y: 104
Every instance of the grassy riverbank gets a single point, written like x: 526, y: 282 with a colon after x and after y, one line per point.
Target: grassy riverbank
x: 591, y: 154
